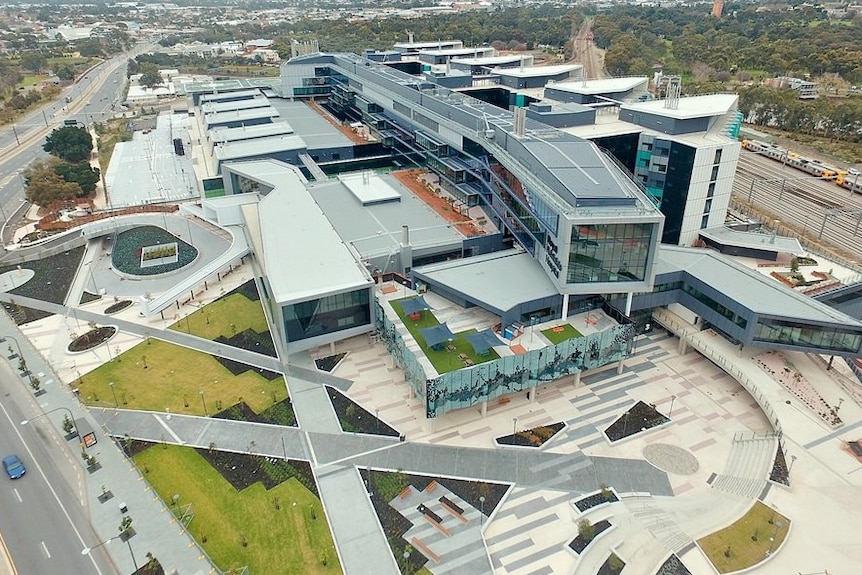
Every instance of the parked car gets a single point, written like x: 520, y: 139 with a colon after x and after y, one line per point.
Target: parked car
x: 13, y: 466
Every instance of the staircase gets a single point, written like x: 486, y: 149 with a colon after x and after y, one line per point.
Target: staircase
x: 748, y: 464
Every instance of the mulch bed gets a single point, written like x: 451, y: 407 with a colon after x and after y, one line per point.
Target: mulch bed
x: 152, y: 567
x: 250, y: 340
x: 606, y: 568
x: 780, y: 473
x: 92, y: 339
x: 248, y: 289
x: 578, y: 544
x: 396, y: 525
x: 673, y: 566
x: 329, y: 362
x: 242, y: 470
x: 641, y: 416
x: 238, y: 367
x: 87, y: 297
x: 595, y: 500
x: 118, y: 307
x: 535, y: 437
x: 356, y: 419
x: 51, y: 282
x: 279, y: 414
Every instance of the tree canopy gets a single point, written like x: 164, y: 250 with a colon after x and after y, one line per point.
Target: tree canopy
x: 45, y: 186
x: 69, y: 143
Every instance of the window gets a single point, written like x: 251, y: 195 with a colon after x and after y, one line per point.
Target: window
x: 704, y: 222
x: 710, y: 191
x: 662, y: 168
x: 717, y: 158
x: 707, y: 206
x: 714, y: 175
x: 609, y: 253
x: 325, y: 315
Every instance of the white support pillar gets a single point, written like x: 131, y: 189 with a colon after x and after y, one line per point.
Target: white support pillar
x: 484, y: 408
x: 577, y: 381
x: 621, y: 365
x: 565, y: 313
x: 533, y: 391
x: 683, y: 347
x: 628, y: 304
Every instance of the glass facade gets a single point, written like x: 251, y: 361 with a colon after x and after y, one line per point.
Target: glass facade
x: 609, y: 253
x: 796, y: 333
x: 328, y: 314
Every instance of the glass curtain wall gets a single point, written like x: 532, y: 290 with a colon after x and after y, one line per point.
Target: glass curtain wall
x: 328, y: 314
x: 609, y: 253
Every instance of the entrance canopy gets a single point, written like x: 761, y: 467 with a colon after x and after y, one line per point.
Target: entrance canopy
x: 483, y: 341
x: 437, y: 335
x: 414, y: 305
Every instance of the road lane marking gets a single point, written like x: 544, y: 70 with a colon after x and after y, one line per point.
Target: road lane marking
x: 18, y: 495
x: 45, y: 549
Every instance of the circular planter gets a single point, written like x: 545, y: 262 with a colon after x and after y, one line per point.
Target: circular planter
x: 92, y: 339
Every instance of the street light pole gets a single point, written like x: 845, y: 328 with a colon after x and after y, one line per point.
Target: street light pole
x: 482, y: 510
x: 672, y: 398
x: 514, y: 425
x: 71, y: 417
x: 88, y: 550
x: 20, y: 356
x: 204, y: 403
x: 114, y: 393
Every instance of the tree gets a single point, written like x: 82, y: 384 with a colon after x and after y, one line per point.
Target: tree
x: 33, y: 61
x: 586, y: 530
x: 65, y: 72
x: 150, y: 77
x: 81, y: 173
x: 45, y: 186
x: 69, y: 143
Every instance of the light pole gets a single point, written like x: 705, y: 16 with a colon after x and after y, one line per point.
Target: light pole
x: 114, y: 393
x: 514, y: 425
x: 840, y: 401
x: 792, y: 461
x: 670, y: 411
x: 20, y: 355
x: 71, y: 418
x: 481, y: 510
x: 88, y: 550
x: 204, y: 403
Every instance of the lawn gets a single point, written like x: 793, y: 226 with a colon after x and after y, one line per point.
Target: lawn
x: 567, y: 332
x: 444, y: 360
x: 734, y: 547
x: 226, y: 316
x: 291, y: 537
x: 172, y: 380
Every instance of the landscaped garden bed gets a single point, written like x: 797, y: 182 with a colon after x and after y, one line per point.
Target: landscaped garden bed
x: 561, y: 333
x: 51, y: 282
x: 329, y: 362
x: 587, y: 535
x: 748, y: 541
x: 87, y: 297
x: 535, y: 437
x: 235, y: 319
x: 356, y: 419
x: 613, y: 565
x: 386, y: 485
x: 248, y: 511
x: 279, y: 414
x: 189, y: 382
x: 92, y: 339
x: 118, y: 306
x: 151, y: 567
x: 587, y: 502
x: 673, y: 566
x: 129, y: 247
x: 639, y: 418
x: 780, y: 472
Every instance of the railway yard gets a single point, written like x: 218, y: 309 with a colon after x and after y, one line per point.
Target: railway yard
x: 826, y: 217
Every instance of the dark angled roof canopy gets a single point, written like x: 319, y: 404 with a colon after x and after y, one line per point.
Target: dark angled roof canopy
x: 483, y: 341
x: 414, y: 305
x: 437, y: 334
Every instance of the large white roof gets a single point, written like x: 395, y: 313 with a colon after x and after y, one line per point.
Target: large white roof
x: 689, y: 107
x: 604, y: 86
x: 304, y: 256
x: 537, y: 71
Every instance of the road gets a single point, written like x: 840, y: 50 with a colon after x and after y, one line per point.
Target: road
x: 44, y: 524
x: 93, y: 96
x: 818, y: 210
x: 585, y: 52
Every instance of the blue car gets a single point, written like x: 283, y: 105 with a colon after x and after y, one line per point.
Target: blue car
x: 13, y: 467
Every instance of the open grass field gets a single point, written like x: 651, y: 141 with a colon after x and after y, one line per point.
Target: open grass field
x: 567, y: 332
x: 734, y: 547
x: 291, y: 539
x: 444, y: 360
x: 172, y: 380
x: 226, y: 316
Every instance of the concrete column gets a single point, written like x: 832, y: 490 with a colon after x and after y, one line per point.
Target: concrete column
x: 683, y: 347
x: 628, y: 304
x: 565, y: 313
x: 484, y: 408
x: 621, y: 365
x: 533, y: 392
x: 332, y: 347
x: 577, y: 381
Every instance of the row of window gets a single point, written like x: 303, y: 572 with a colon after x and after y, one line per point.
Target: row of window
x: 714, y: 305
x: 609, y: 253
x: 794, y: 333
x: 328, y: 314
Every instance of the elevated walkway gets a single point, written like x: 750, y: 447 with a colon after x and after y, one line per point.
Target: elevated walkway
x: 317, y: 174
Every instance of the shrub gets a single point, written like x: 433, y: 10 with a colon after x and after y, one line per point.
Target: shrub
x: 586, y: 529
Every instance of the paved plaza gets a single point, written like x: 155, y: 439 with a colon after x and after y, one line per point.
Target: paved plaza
x: 677, y: 483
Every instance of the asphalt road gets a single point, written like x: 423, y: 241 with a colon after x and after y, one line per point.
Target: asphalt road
x: 95, y: 97
x: 820, y: 209
x: 42, y: 519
